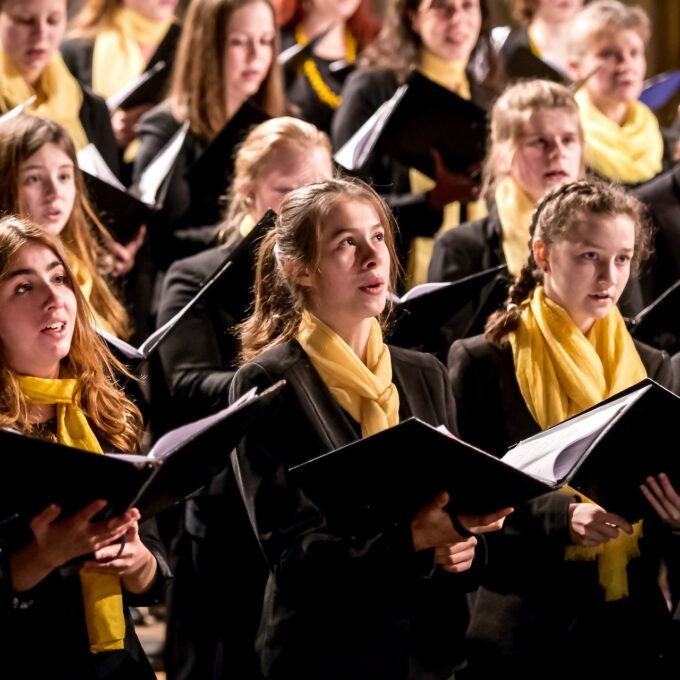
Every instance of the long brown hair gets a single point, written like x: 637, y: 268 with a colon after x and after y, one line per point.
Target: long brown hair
x: 83, y: 234
x: 197, y: 93
x: 94, y: 15
x: 559, y: 210
x: 113, y: 418
x: 397, y: 46
x: 293, y: 245
x: 277, y: 133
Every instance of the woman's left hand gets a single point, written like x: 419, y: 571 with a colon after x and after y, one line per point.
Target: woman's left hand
x: 664, y: 499
x: 135, y: 564
x: 456, y: 557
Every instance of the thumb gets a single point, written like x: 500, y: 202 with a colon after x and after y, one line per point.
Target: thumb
x: 441, y: 500
x: 437, y: 160
x: 48, y: 515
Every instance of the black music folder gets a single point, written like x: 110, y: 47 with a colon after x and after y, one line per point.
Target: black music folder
x: 36, y: 473
x: 419, y: 117
x: 658, y: 324
x: 237, y: 263
x: 211, y: 173
x: 523, y: 64
x: 605, y: 452
x: 423, y: 314
x: 123, y: 211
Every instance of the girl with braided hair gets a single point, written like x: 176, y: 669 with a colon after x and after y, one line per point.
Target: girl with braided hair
x: 558, y: 347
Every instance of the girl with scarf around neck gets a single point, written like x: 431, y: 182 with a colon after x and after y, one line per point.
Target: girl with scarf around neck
x: 66, y: 582
x: 30, y: 64
x: 449, y: 42
x: 381, y: 601
x: 112, y: 43
x: 209, y: 610
x: 586, y: 580
x: 623, y: 140
x: 42, y: 181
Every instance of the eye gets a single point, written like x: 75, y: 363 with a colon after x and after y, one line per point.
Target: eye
x: 31, y: 179
x: 348, y: 241
x: 66, y: 176
x: 22, y: 288
x: 380, y: 236
x: 623, y: 259
x: 590, y: 255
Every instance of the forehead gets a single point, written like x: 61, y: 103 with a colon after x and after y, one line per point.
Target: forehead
x: 33, y: 256
x: 34, y: 6
x: 621, y: 38
x: 551, y: 120
x: 285, y: 161
x: 606, y: 231
x: 253, y: 16
x: 48, y: 154
x: 352, y: 214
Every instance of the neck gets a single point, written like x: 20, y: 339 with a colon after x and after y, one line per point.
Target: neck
x: 332, y: 46
x: 615, y: 110
x: 233, y: 104
x: 354, y: 333
x: 41, y: 413
x: 551, y: 39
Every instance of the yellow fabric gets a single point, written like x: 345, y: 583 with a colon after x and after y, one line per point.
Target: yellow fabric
x: 364, y: 390
x: 59, y: 96
x: 85, y: 282
x: 629, y: 153
x: 102, y: 596
x: 117, y: 58
x: 246, y: 226
x: 514, y: 212
x: 532, y: 44
x: 452, y: 75
x: 560, y: 371
x: 612, y: 556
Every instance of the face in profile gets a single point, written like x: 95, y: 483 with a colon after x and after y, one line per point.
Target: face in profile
x: 340, y: 9
x: 619, y: 58
x: 351, y: 280
x: 549, y: 153
x: 47, y: 189
x: 156, y: 10
x: 284, y: 170
x: 448, y: 28
x: 586, y: 272
x: 37, y: 312
x: 250, y: 50
x: 30, y: 33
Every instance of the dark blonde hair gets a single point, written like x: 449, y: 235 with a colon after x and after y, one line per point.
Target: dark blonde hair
x: 606, y: 16
x: 94, y: 15
x: 113, y: 418
x: 83, y: 234
x: 197, y: 93
x: 559, y: 210
x: 397, y: 46
x: 509, y: 119
x: 293, y: 245
x: 286, y: 133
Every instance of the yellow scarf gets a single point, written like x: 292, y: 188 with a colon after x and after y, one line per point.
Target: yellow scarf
x: 562, y: 372
x: 59, y: 96
x: 247, y: 225
x: 452, y: 75
x: 102, y: 594
x: 515, y: 209
x: 85, y: 282
x: 365, y: 391
x: 117, y: 58
x: 629, y: 153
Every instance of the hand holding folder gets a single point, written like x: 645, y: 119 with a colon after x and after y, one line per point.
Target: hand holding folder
x: 605, y: 453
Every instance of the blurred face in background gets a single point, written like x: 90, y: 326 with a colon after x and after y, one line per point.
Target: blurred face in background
x: 156, y: 10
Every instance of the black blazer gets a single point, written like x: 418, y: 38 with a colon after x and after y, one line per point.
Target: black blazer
x: 662, y: 198
x: 363, y: 92
x: 340, y: 605
x: 533, y: 607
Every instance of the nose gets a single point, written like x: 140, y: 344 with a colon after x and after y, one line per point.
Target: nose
x: 52, y: 188
x: 51, y: 297
x: 607, y: 271
x: 372, y: 254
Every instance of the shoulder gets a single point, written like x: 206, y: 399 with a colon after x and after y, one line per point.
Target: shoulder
x: 469, y: 234
x: 657, y: 363
x: 77, y: 54
x: 159, y: 121
x: 197, y: 266
x: 478, y: 350
x: 268, y: 367
x: 659, y: 186
x: 411, y: 360
x: 374, y: 82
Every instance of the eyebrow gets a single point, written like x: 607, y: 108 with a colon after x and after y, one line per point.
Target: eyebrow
x: 350, y: 230
x: 33, y: 272
x: 40, y: 167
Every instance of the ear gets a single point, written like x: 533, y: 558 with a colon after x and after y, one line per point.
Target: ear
x: 540, y: 250
x: 246, y: 192
x: 574, y: 70
x: 296, y: 274
x: 414, y: 20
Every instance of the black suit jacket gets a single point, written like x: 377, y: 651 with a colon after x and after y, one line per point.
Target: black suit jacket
x: 341, y: 605
x: 533, y: 607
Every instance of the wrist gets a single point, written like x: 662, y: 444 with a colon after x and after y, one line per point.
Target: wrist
x: 141, y: 579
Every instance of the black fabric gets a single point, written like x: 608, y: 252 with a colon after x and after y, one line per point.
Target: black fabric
x: 341, y: 606
x: 533, y: 607
x: 95, y: 119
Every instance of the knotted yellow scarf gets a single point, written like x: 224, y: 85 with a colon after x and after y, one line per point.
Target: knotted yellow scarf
x: 452, y: 75
x: 365, y: 391
x: 102, y: 594
x: 59, y: 96
x: 85, y: 282
x: 631, y: 152
x: 117, y: 58
x: 515, y: 209
x: 562, y: 372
